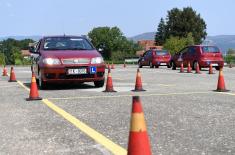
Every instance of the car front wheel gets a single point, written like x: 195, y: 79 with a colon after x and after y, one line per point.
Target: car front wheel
x: 99, y: 83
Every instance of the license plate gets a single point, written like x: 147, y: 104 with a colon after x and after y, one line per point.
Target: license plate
x: 77, y: 71
x: 163, y: 63
x: 214, y: 65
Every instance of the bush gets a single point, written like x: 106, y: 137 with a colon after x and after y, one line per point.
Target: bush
x: 2, y: 59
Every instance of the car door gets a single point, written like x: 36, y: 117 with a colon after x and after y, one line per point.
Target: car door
x: 36, y: 58
x: 191, y: 55
x: 185, y: 56
x: 145, y: 60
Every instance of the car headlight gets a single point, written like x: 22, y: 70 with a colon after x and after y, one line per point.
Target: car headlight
x: 97, y: 60
x: 51, y: 61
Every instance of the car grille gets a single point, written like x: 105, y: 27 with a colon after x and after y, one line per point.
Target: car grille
x: 76, y: 61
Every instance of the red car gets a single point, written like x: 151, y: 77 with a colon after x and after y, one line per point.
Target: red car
x: 201, y: 54
x: 155, y: 58
x: 59, y: 59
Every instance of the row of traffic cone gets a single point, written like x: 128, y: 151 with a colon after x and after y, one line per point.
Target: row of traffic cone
x: 107, y: 66
x: 138, y: 83
x: 33, y: 95
x: 197, y: 70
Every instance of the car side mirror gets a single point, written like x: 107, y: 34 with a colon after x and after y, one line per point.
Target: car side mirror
x: 32, y: 49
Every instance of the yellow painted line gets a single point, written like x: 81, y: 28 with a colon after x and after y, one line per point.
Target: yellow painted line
x: 99, y: 138
x: 129, y: 95
x: 20, y: 83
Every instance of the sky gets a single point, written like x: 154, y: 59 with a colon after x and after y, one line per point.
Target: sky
x: 133, y: 17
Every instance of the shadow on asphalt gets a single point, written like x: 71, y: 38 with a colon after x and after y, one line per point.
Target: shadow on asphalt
x: 65, y: 86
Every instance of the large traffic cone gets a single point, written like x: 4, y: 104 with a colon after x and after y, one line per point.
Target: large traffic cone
x: 210, y: 69
x: 189, y: 69
x: 138, y: 82
x: 138, y: 137
x: 112, y: 67
x: 33, y: 95
x: 197, y: 69
x: 4, y: 72
x: 109, y: 83
x: 12, y: 76
x: 182, y: 67
x: 221, y: 83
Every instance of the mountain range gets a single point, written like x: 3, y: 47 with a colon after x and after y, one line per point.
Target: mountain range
x: 224, y: 42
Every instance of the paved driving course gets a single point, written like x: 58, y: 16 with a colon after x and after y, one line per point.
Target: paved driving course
x: 183, y: 114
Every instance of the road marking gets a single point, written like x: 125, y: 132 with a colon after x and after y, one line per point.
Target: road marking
x: 20, y: 83
x: 99, y: 138
x: 129, y: 95
x: 8, y: 86
x: 224, y: 93
x: 167, y: 85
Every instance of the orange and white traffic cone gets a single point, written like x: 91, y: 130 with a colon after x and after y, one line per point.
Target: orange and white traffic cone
x: 138, y: 82
x: 138, y: 137
x: 210, y: 69
x: 4, y: 72
x: 182, y: 68
x: 197, y: 69
x: 112, y: 67
x: 109, y: 83
x: 189, y: 69
x: 12, y: 76
x: 33, y: 95
x: 221, y: 83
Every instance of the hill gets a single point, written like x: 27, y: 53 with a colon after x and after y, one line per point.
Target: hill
x: 224, y: 42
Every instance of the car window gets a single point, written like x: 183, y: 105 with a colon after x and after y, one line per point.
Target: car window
x: 210, y: 49
x: 192, y: 50
x: 162, y: 52
x: 67, y: 43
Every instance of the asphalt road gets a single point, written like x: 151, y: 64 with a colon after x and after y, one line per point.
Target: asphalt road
x: 183, y: 114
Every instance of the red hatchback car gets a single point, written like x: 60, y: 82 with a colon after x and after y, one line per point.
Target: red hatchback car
x: 201, y: 54
x: 59, y: 59
x: 155, y: 58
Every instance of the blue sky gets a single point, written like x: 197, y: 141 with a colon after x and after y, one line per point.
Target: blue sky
x: 51, y: 17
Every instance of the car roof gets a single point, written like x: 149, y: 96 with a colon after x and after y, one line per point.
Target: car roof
x: 60, y: 36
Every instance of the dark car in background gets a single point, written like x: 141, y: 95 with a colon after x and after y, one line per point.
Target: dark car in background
x: 155, y: 58
x: 201, y: 54
x: 61, y: 59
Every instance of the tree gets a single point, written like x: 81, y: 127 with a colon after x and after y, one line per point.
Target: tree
x: 179, y: 23
x: 160, y: 36
x: 111, y: 40
x: 175, y: 44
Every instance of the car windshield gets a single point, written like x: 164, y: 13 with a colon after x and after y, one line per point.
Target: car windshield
x: 67, y: 43
x: 161, y: 52
x: 210, y: 49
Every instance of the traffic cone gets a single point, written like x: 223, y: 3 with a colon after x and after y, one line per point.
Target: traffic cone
x: 33, y: 95
x: 210, y: 69
x: 197, y: 69
x: 109, y: 83
x: 138, y: 82
x: 189, y: 70
x: 4, y: 72
x: 138, y: 137
x: 112, y: 67
x: 182, y: 68
x: 221, y: 83
x: 12, y: 76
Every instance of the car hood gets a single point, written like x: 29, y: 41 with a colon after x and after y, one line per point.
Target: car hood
x: 66, y: 54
